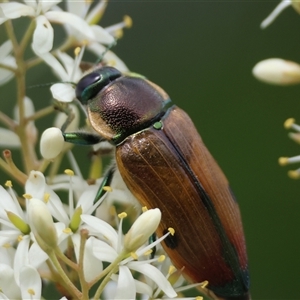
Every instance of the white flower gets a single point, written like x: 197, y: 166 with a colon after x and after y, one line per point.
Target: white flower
x: 109, y: 247
x: 16, y: 279
x: 82, y: 10
x: 41, y: 11
x: 16, y: 229
x: 68, y: 70
x: 277, y: 71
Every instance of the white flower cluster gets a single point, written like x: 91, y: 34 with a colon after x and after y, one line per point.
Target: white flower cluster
x: 282, y: 72
x: 42, y: 238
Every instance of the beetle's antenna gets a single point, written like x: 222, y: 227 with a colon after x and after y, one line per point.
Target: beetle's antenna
x: 48, y: 84
x: 108, y: 47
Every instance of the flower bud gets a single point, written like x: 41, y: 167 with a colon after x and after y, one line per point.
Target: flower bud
x: 41, y: 224
x: 277, y: 71
x: 144, y: 226
x: 52, y: 142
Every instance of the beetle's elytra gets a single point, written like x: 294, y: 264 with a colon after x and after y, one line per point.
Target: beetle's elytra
x: 165, y: 164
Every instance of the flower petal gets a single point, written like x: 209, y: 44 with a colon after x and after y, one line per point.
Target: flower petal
x: 76, y: 22
x: 102, y: 36
x: 7, y: 203
x: 55, y: 65
x: 15, y: 10
x: 154, y: 274
x: 8, y: 236
x: 63, y: 92
x: 21, y: 257
x: 7, y: 255
x: 46, y: 4
x: 92, y: 266
x: 36, y: 255
x: 96, y: 12
x: 103, y: 251
x: 8, y: 284
x: 78, y: 8
x: 36, y: 185
x: 30, y: 283
x: 102, y: 228
x: 110, y: 57
x: 126, y: 286
x: 42, y: 36
x: 3, y: 297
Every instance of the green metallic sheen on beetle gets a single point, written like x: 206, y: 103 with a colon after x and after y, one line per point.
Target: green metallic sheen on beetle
x: 164, y: 163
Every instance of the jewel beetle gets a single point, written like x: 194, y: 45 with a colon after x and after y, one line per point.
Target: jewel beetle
x: 164, y: 163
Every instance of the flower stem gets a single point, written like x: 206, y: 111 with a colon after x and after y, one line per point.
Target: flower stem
x: 84, y: 286
x: 28, y: 34
x: 65, y: 278
x: 10, y: 123
x: 10, y: 167
x: 21, y: 92
x: 65, y: 259
x: 111, y: 269
x: 41, y: 113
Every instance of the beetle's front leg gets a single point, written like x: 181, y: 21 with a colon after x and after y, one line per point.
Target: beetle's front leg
x: 82, y: 138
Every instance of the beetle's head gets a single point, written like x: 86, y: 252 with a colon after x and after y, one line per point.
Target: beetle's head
x: 119, y: 105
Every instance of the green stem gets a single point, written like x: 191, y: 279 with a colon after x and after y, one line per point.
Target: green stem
x: 83, y: 283
x: 10, y: 167
x: 27, y: 36
x: 65, y: 278
x: 10, y: 123
x: 111, y: 269
x: 9, y: 68
x: 67, y: 261
x: 11, y: 35
x: 28, y: 153
x: 41, y: 113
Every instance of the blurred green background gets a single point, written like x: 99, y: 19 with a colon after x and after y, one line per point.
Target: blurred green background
x: 202, y: 54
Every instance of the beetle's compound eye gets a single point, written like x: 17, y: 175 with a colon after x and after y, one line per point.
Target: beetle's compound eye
x: 84, y: 89
x: 91, y: 84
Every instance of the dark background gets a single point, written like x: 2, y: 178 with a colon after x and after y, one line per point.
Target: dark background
x: 202, y: 54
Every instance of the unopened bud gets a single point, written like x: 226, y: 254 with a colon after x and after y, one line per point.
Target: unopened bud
x: 41, y: 224
x: 52, y: 142
x: 277, y: 71
x: 142, y: 229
